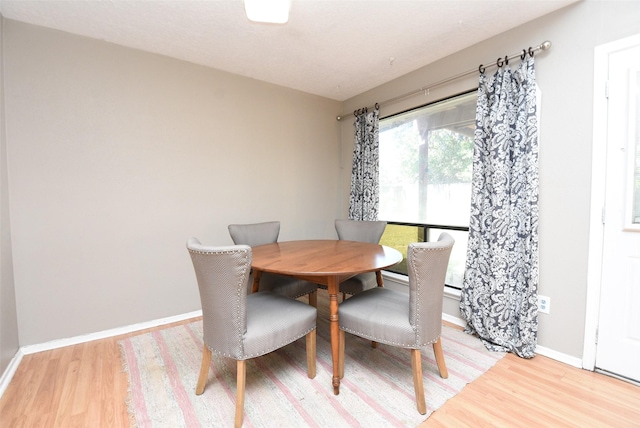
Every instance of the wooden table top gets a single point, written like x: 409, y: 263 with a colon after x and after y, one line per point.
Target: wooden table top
x: 323, y: 257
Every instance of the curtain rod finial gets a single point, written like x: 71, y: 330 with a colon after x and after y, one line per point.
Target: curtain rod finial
x: 338, y: 118
x: 546, y: 45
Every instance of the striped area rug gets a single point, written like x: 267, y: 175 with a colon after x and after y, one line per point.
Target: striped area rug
x: 377, y: 389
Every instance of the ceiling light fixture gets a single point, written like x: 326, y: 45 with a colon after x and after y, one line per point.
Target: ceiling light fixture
x: 270, y: 11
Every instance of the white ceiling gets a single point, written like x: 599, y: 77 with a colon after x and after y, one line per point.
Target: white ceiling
x: 333, y: 48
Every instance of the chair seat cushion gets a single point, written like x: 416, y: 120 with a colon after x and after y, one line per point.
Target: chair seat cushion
x: 381, y: 315
x: 287, y: 286
x: 359, y: 283
x: 274, y: 321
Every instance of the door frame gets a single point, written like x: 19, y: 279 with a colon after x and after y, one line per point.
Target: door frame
x: 598, y: 183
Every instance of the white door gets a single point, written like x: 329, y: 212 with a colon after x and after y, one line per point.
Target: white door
x: 618, y: 341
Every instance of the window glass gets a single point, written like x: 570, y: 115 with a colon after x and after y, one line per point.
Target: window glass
x: 635, y: 155
x: 426, y: 158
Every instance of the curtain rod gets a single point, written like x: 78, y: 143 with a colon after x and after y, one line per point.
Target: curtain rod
x: 546, y: 45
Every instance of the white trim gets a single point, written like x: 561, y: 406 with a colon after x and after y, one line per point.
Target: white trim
x: 397, y: 277
x: 454, y: 320
x: 452, y: 293
x: 7, y: 375
x: 596, y: 228
x: 54, y: 344
x: 540, y: 350
x: 559, y: 356
x: 60, y: 343
x: 598, y: 171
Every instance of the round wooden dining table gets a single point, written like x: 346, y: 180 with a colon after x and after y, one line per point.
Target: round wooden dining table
x: 324, y: 262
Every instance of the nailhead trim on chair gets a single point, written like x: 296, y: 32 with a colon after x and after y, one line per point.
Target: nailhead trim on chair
x: 219, y: 252
x: 239, y: 289
x: 259, y: 353
x: 418, y: 300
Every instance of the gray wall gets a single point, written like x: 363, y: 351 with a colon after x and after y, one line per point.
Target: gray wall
x: 117, y: 156
x: 8, y: 318
x: 565, y: 77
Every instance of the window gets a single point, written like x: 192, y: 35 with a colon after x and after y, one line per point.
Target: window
x: 426, y: 157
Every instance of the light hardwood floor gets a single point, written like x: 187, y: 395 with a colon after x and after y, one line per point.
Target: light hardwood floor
x: 84, y: 386
x: 541, y: 392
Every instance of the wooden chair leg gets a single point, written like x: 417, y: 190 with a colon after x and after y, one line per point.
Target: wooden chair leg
x: 204, y: 370
x: 416, y: 365
x: 240, y: 384
x: 311, y: 354
x: 313, y: 299
x: 442, y: 366
x: 341, y: 346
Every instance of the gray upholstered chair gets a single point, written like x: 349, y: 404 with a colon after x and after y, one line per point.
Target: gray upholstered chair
x: 407, y: 320
x: 362, y: 231
x: 241, y: 326
x: 267, y: 233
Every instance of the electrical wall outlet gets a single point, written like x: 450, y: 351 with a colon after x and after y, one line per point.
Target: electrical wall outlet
x: 544, y: 304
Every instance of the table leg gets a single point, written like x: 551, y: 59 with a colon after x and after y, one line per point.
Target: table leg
x: 332, y: 287
x: 256, y: 280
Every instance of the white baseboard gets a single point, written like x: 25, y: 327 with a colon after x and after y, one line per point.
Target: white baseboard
x: 559, y: 356
x: 454, y: 320
x: 541, y: 350
x: 54, y: 344
x: 60, y: 343
x: 7, y: 375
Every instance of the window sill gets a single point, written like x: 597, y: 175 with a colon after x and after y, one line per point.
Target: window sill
x: 449, y: 292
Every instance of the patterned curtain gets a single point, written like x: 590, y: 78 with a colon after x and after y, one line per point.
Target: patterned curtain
x: 364, y: 198
x: 499, y: 292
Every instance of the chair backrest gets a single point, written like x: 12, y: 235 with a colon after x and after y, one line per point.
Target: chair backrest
x: 222, y: 274
x: 362, y: 231
x: 255, y: 233
x: 427, y: 268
